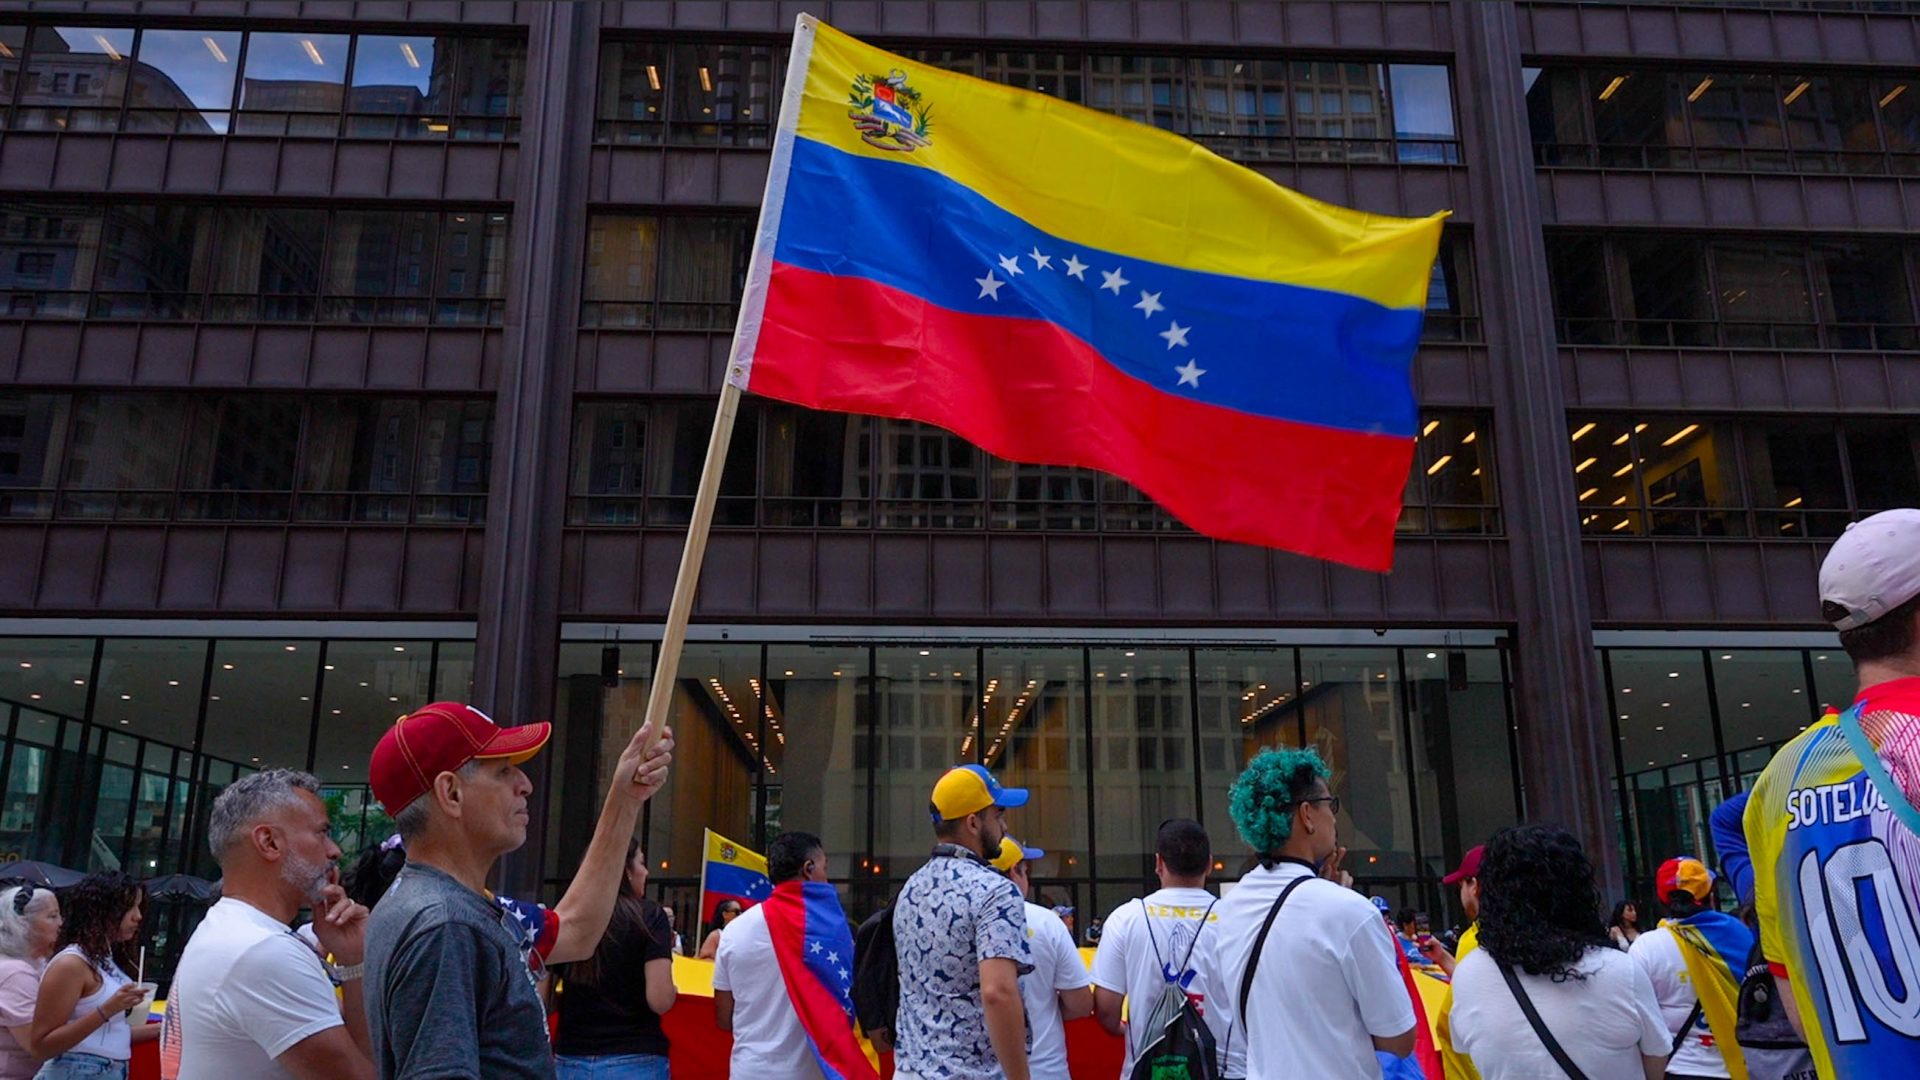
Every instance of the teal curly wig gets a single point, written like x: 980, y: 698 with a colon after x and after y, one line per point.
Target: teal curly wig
x: 1263, y: 798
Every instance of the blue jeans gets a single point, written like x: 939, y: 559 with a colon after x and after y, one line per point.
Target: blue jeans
x: 612, y: 1067
x: 75, y: 1066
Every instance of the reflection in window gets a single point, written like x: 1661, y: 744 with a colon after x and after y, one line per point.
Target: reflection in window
x: 401, y: 86
x: 1463, y: 756
x: 817, y: 469
x: 357, y: 463
x: 239, y: 459
x: 293, y: 84
x: 926, y: 720
x: 677, y: 273
x: 75, y: 80
x: 678, y: 432
x: 33, y: 430
x: 183, y: 81
x: 810, y: 726
x: 633, y: 80
x: 722, y: 93
x: 1249, y: 701
x: 925, y: 477
x: 1351, y: 699
x: 455, y: 460
x: 1142, y: 752
x: 380, y: 265
x: 1034, y: 704
x: 1148, y: 89
x: 123, y: 455
x: 1422, y: 112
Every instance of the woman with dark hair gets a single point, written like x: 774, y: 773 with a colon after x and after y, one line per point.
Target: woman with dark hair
x: 611, y: 1003
x: 1547, y: 992
x: 81, y: 1019
x: 1624, y: 925
x: 728, y: 911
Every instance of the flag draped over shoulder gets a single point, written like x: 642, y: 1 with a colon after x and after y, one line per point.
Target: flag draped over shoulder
x: 1065, y: 287
x: 1715, y: 946
x: 731, y: 872
x: 814, y: 947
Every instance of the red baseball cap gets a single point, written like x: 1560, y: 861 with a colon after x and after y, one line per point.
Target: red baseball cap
x: 441, y: 738
x: 1683, y: 874
x: 1469, y: 867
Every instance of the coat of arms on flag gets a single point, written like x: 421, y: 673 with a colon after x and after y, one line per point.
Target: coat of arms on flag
x: 888, y: 113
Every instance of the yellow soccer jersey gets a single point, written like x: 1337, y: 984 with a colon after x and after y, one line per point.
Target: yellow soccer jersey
x: 1837, y: 887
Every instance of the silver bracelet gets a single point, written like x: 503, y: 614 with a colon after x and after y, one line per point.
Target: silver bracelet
x: 348, y: 972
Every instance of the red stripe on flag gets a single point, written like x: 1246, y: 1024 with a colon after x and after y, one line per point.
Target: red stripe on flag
x: 1028, y: 391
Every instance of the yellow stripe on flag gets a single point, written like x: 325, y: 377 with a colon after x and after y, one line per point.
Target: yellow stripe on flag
x: 1115, y: 185
x: 733, y: 853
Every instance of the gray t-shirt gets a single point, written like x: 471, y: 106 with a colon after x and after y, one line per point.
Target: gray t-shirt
x: 449, y: 989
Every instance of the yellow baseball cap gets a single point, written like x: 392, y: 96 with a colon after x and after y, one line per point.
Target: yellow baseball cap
x: 1684, y: 874
x: 969, y: 789
x: 1012, y: 852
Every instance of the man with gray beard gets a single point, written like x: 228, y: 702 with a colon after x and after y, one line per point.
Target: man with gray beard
x: 249, y: 998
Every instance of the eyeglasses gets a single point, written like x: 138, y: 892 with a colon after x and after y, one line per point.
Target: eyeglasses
x: 22, y: 898
x: 1332, y: 801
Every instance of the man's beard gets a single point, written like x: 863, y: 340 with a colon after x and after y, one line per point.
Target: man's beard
x: 307, y: 875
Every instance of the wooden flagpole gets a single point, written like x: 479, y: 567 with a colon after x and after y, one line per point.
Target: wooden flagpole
x: 746, y: 333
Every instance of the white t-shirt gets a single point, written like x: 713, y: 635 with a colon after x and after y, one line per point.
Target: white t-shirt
x: 1327, y: 983
x: 768, y: 1040
x: 1141, y: 941
x: 1658, y: 954
x: 1056, y: 966
x: 246, y: 991
x: 1605, y: 1022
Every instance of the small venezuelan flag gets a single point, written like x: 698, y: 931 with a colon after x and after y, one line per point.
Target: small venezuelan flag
x: 1061, y: 286
x: 731, y: 872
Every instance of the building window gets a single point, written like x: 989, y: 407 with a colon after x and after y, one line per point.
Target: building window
x: 1733, y: 293
x: 1650, y: 118
x: 244, y: 457
x: 183, y: 81
x: 189, y: 81
x: 705, y: 94
x: 673, y: 272
x: 639, y: 462
x: 1777, y: 479
x: 252, y: 263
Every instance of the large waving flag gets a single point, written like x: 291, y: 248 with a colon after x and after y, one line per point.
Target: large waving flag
x: 1061, y: 286
x: 731, y: 872
x: 814, y: 946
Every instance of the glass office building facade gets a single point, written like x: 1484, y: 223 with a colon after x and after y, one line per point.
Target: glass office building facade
x: 362, y: 355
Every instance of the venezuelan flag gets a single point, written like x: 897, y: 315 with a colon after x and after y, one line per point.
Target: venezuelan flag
x: 1061, y: 286
x: 731, y: 872
x: 813, y: 945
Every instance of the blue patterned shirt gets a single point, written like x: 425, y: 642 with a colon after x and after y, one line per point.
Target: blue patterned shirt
x: 953, y: 913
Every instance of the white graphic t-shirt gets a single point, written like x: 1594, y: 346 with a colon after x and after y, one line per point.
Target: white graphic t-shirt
x: 1146, y: 944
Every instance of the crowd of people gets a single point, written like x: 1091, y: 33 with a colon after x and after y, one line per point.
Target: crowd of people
x: 411, y: 967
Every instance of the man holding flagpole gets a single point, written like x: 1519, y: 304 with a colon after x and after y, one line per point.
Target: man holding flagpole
x: 791, y: 1017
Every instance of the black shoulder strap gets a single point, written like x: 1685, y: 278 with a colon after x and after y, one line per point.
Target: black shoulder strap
x: 1539, y: 1026
x: 1680, y: 1038
x: 1260, y: 944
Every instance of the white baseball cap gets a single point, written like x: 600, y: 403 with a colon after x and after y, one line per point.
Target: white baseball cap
x: 1873, y: 568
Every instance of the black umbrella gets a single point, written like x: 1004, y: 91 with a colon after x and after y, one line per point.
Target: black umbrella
x: 39, y: 873
x: 181, y: 887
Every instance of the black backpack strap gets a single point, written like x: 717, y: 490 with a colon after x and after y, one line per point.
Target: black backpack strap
x: 1680, y: 1039
x: 1539, y: 1026
x: 1260, y: 943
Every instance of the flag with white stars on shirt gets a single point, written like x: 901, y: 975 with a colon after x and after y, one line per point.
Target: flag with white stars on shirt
x: 1064, y: 287
x: 814, y: 946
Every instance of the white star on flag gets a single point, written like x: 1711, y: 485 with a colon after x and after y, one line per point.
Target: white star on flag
x: 1076, y: 268
x: 1175, y: 334
x: 1190, y: 373
x: 1113, y: 280
x: 1040, y: 262
x: 989, y: 286
x: 833, y: 958
x: 1011, y: 264
x: 1149, y: 303
x: 816, y: 948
